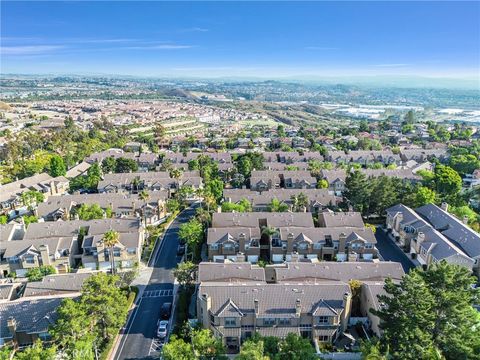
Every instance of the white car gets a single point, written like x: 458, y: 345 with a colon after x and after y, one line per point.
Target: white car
x: 162, y: 329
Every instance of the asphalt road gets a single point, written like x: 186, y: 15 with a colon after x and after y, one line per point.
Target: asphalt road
x: 391, y: 252
x: 139, y: 340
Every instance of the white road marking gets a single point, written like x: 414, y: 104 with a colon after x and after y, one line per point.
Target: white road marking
x: 157, y: 293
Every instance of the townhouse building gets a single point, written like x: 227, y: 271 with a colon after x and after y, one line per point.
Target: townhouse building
x: 430, y: 234
x: 11, y: 201
x: 69, y: 244
x: 265, y: 180
x: 153, y: 181
x: 317, y: 199
x: 120, y: 205
x: 279, y: 237
x: 313, y: 300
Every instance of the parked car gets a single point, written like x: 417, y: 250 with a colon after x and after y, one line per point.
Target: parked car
x: 181, y: 250
x: 165, y: 311
x: 162, y: 329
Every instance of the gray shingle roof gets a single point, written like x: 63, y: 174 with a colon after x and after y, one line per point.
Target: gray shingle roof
x: 252, y: 219
x: 337, y: 271
x: 236, y: 272
x: 341, y: 219
x: 31, y: 315
x: 56, y: 284
x: 452, y: 228
x: 276, y: 300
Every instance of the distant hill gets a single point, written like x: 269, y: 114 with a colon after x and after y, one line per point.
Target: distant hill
x: 178, y: 93
x: 4, y: 106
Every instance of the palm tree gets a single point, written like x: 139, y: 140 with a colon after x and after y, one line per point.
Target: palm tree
x: 135, y: 183
x: 145, y: 196
x: 176, y: 173
x: 302, y: 200
x: 110, y: 239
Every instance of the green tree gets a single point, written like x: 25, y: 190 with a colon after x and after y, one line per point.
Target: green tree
x: 464, y: 164
x: 185, y: 273
x: 252, y: 350
x: 447, y: 180
x: 420, y: 196
x: 57, y: 166
x: 37, y: 352
x: 277, y: 206
x: 72, y: 326
x: 123, y: 165
x: 215, y: 188
x: 429, y: 311
x: 205, y: 345
x: 191, y: 232
x: 110, y: 239
x: 294, y: 347
x: 281, y: 131
x: 371, y: 350
x: 172, y: 205
x: 38, y: 273
x: 322, y: 184
x: 105, y: 304
x: 89, y: 212
x: 358, y: 191
x: 177, y: 349
x: 109, y: 165
x: 144, y: 195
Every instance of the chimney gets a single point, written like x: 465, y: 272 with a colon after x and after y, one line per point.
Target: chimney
x: 420, y: 237
x: 44, y: 254
x: 444, y: 206
x: 294, y: 257
x: 342, y: 242
x: 255, y: 304
x: 298, y: 308
x: 12, y: 326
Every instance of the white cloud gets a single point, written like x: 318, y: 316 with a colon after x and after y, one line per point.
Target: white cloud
x: 28, y: 49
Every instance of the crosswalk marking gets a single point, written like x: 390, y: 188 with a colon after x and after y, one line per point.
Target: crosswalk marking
x: 157, y: 293
x: 155, y: 347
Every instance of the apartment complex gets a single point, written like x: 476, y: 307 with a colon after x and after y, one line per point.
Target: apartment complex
x: 236, y: 300
x: 278, y: 237
x: 430, y: 234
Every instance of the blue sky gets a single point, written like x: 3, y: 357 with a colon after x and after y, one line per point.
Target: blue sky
x: 281, y: 39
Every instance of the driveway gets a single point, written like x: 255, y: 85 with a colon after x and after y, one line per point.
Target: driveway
x: 389, y: 251
x: 139, y: 341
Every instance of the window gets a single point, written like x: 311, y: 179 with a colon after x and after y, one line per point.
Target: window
x: 323, y: 338
x: 45, y: 336
x: 13, y: 260
x: 284, y: 321
x: 229, y: 246
x: 131, y: 251
x: 214, y: 247
x: 368, y: 246
x: 230, y: 322
x: 116, y: 252
x: 303, y: 246
x: 30, y: 259
x: 268, y: 322
x: 323, y: 320
x: 317, y: 246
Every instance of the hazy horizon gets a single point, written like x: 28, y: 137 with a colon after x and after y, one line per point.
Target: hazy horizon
x: 286, y: 40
